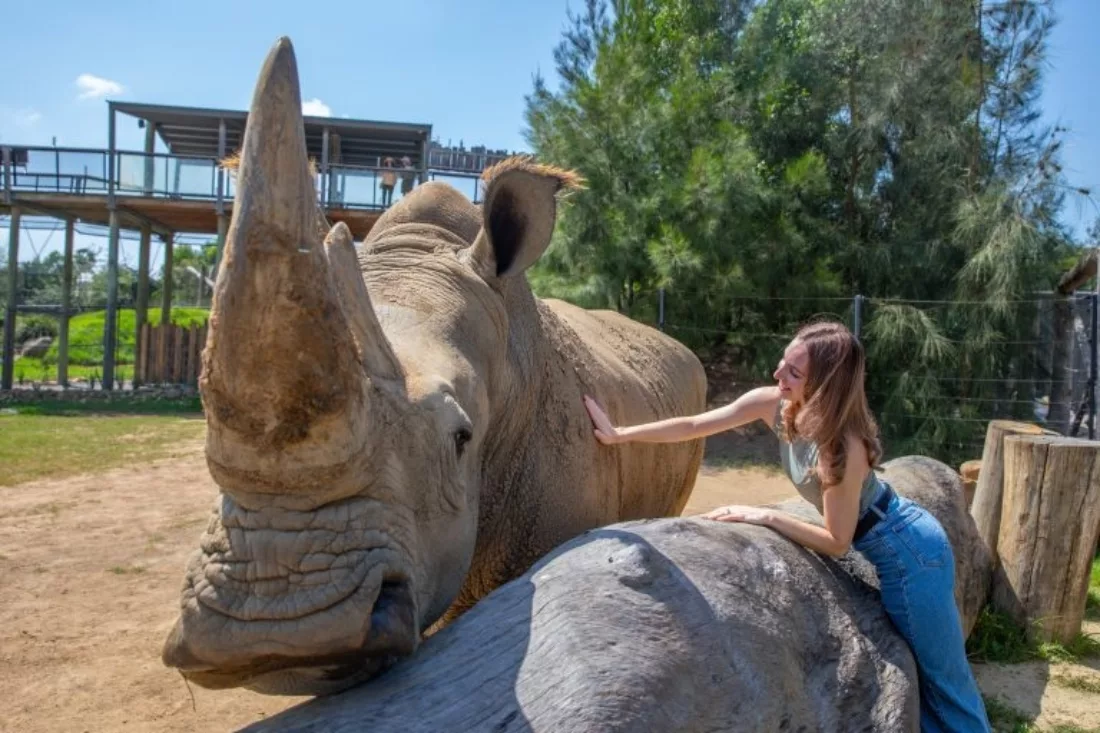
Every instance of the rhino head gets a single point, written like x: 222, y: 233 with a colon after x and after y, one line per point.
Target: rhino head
x: 349, y: 456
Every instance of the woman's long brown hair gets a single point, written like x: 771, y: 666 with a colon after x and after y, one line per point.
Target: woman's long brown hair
x: 835, y: 401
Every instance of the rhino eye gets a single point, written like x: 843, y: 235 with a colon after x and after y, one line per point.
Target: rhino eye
x: 462, y: 437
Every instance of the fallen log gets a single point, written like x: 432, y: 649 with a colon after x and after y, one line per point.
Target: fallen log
x: 1049, y: 527
x: 676, y: 624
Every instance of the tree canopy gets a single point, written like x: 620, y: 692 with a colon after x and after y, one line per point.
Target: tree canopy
x: 763, y: 161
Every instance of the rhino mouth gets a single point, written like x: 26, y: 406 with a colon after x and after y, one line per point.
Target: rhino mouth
x: 311, y: 598
x: 392, y: 633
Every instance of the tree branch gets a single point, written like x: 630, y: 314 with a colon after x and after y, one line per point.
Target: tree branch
x: 1082, y: 272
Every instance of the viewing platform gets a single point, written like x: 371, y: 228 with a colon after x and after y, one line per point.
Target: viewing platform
x: 185, y: 190
x: 362, y: 167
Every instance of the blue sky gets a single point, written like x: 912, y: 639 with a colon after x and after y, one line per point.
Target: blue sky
x: 415, y: 61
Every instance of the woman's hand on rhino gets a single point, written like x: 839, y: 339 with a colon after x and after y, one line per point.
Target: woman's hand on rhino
x: 605, y: 432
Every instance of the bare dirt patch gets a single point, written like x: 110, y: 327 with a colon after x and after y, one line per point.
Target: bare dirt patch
x: 92, y: 567
x: 91, y: 570
x: 1049, y: 694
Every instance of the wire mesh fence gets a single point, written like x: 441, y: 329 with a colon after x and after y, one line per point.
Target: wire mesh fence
x: 938, y: 370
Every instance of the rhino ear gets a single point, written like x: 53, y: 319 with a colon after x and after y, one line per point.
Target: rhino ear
x: 518, y: 216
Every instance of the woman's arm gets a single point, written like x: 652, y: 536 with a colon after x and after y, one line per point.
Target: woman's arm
x: 840, y: 506
x: 757, y: 404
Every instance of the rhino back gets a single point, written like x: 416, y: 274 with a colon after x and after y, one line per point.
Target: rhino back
x: 638, y: 374
x: 558, y: 480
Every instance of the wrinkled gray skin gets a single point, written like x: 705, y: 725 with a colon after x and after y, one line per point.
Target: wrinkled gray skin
x: 396, y: 431
x: 678, y: 625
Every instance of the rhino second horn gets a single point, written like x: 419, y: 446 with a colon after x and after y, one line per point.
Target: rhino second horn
x: 374, y: 350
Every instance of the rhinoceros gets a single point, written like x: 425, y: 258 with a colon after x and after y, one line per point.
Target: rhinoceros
x: 683, y: 625
x: 398, y: 429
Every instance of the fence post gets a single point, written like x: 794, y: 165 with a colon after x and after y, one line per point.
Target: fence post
x: 857, y: 316
x: 661, y: 309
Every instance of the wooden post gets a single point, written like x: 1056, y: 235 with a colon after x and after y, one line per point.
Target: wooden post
x: 1048, y: 533
x: 66, y: 308
x: 188, y: 342
x: 141, y: 363
x: 177, y: 354
x: 156, y: 355
x: 986, y: 507
x: 141, y: 309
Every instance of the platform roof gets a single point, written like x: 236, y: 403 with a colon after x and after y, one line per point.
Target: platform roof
x: 194, y: 131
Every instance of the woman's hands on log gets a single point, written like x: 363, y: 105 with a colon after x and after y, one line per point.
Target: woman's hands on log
x: 741, y: 513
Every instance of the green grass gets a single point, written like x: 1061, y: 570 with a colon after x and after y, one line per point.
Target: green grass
x: 1007, y: 719
x: 117, y: 404
x: 1082, y: 646
x: 41, y: 369
x: 39, y: 446
x: 1092, y: 603
x: 997, y: 638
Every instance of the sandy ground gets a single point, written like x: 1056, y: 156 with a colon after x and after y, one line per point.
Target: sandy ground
x: 91, y: 570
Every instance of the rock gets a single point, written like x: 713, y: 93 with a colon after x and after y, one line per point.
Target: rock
x: 36, y: 348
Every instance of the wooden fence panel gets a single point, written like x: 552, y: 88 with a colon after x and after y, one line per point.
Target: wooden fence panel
x: 170, y: 354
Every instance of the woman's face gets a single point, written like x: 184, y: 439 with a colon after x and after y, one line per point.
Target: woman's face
x: 792, y: 371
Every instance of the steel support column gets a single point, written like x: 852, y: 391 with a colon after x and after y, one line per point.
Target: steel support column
x: 110, y: 323
x: 7, y: 372
x: 66, y: 307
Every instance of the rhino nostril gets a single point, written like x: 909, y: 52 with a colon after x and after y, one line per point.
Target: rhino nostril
x: 393, y: 618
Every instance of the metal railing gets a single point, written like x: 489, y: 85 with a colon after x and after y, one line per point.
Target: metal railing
x: 56, y: 170
x: 458, y: 161
x: 165, y: 176
x: 86, y: 171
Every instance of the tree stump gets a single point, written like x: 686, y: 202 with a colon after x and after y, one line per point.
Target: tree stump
x: 970, y: 471
x: 1050, y: 520
x: 986, y: 505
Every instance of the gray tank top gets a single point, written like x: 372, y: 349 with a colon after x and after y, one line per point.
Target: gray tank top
x: 800, y: 455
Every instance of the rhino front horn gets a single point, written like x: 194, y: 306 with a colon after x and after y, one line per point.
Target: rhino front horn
x: 284, y: 383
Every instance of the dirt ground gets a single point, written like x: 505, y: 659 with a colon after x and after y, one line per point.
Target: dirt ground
x: 91, y: 570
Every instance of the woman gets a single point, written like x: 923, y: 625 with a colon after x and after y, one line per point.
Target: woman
x: 829, y: 446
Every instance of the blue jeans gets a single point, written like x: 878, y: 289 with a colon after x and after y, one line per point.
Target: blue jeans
x: 916, y: 571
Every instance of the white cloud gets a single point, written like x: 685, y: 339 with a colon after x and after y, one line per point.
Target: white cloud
x: 316, y: 108
x: 26, y: 117
x: 92, y: 87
